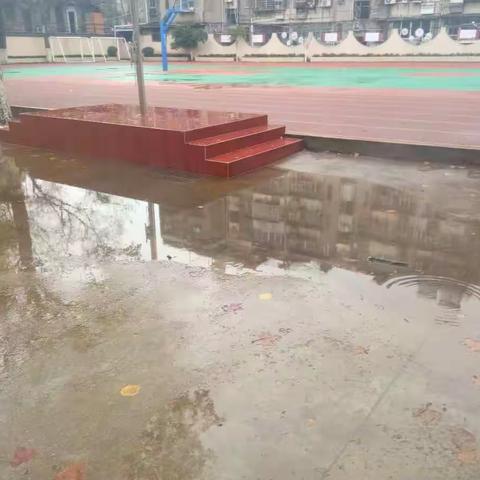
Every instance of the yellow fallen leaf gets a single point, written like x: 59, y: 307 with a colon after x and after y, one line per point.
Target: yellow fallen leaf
x: 265, y: 296
x: 129, y: 390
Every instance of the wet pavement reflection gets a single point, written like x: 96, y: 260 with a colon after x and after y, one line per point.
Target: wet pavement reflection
x: 426, y: 235
x: 97, y: 257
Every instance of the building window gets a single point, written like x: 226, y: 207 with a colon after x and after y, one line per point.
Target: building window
x: 269, y: 5
x: 362, y: 8
x: 8, y: 13
x: 72, y: 20
x: 231, y: 16
x: 187, y: 5
x: 453, y: 24
x: 152, y: 9
x: 27, y: 20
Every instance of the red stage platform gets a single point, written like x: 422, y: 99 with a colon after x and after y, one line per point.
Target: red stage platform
x: 214, y: 143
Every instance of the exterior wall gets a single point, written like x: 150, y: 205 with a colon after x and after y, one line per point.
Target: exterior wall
x: 336, y: 12
x: 205, y: 11
x: 147, y: 41
x: 50, y: 17
x: 22, y: 48
x: 273, y: 48
x: 213, y: 11
x: 401, y: 10
x: 441, y: 44
x: 471, y: 7
x: 213, y: 49
x: 95, y: 23
x: 343, y: 15
x: 32, y: 48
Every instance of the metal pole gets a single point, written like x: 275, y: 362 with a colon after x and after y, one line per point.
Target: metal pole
x: 163, y: 39
x: 152, y: 231
x: 138, y: 57
x: 147, y: 16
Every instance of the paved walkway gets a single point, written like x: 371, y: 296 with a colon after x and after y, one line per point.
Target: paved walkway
x: 412, y: 116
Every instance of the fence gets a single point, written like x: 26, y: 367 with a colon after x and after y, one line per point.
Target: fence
x: 274, y: 48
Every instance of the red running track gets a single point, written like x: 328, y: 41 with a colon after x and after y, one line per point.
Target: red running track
x: 439, y: 118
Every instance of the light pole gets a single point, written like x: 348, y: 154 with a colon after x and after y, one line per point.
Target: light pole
x: 138, y: 57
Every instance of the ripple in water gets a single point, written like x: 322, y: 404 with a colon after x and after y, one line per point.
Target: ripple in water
x: 447, y: 293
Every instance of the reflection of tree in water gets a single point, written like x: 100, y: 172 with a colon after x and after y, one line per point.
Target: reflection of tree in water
x: 60, y: 220
x: 79, y: 222
x: 171, y: 444
x: 14, y: 223
x: 73, y: 220
x: 48, y: 220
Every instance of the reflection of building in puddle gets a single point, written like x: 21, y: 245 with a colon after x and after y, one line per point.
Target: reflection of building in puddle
x: 333, y: 221
x: 448, y: 297
x: 289, y: 218
x: 171, y: 447
x: 447, y: 293
x: 300, y: 217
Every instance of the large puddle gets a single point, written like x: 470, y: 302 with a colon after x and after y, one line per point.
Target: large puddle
x: 62, y: 213
x: 318, y: 318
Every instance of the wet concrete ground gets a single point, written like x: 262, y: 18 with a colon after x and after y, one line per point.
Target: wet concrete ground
x: 318, y: 319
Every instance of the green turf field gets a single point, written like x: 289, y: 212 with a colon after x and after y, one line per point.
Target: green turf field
x: 424, y: 77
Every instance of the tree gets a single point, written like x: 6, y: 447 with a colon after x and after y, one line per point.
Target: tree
x: 238, y: 31
x: 5, y: 112
x: 188, y: 36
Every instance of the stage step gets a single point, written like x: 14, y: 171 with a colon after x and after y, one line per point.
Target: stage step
x: 205, y: 142
x: 7, y: 132
x: 4, y: 132
x: 227, y: 142
x: 245, y: 159
x: 226, y: 127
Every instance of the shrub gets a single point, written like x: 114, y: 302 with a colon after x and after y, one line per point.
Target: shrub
x: 239, y: 31
x: 148, y: 52
x: 188, y: 36
x: 112, y: 51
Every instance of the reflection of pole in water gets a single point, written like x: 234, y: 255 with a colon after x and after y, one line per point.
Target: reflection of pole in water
x: 151, y: 231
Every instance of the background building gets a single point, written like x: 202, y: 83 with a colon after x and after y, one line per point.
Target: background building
x: 262, y: 16
x: 53, y: 16
x: 358, y: 15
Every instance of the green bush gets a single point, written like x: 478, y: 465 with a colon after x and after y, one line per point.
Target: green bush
x: 148, y: 52
x: 188, y: 36
x: 112, y: 51
x: 238, y: 31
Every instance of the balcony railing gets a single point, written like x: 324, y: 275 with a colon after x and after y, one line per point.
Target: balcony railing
x: 269, y: 5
